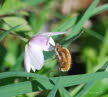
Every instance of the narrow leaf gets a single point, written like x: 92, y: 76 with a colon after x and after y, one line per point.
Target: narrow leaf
x: 100, y: 9
x: 44, y: 83
x: 55, y: 88
x: 89, y: 85
x: 71, y: 22
x: 84, y: 18
x: 6, y: 33
x: 65, y: 92
x: 65, y: 26
x: 94, y: 34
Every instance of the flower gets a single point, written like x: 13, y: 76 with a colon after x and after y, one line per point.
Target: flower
x: 34, y: 58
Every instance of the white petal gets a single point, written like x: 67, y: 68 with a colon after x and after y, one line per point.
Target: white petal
x: 51, y: 41
x: 27, y: 59
x: 52, y: 33
x: 36, y: 57
x: 33, y: 68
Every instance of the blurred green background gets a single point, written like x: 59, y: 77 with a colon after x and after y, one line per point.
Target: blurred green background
x: 89, y: 51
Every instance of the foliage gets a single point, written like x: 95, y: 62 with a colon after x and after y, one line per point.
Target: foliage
x: 21, y: 19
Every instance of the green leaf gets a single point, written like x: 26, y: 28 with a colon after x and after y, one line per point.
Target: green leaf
x: 71, y: 22
x: 66, y: 25
x: 6, y: 33
x: 14, y: 20
x: 54, y: 89
x: 94, y: 34
x: 18, y: 89
x: 89, y: 85
x: 65, y: 92
x: 10, y: 7
x: 100, y: 9
x: 67, y: 42
x: 84, y: 18
x: 44, y: 83
x: 18, y: 74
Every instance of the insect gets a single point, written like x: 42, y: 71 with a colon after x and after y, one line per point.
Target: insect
x: 63, y: 57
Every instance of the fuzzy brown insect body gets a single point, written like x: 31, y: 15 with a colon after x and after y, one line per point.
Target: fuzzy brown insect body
x: 64, y: 58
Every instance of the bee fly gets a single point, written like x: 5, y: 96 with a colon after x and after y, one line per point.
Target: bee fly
x: 64, y: 58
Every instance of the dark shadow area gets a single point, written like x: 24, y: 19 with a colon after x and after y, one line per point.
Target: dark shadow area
x: 37, y: 85
x: 1, y: 3
x: 51, y: 82
x: 12, y: 80
x: 3, y: 52
x: 78, y: 67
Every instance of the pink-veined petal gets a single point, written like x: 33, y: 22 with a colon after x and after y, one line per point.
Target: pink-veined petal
x: 52, y: 33
x: 27, y: 59
x: 36, y: 57
x: 41, y: 41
